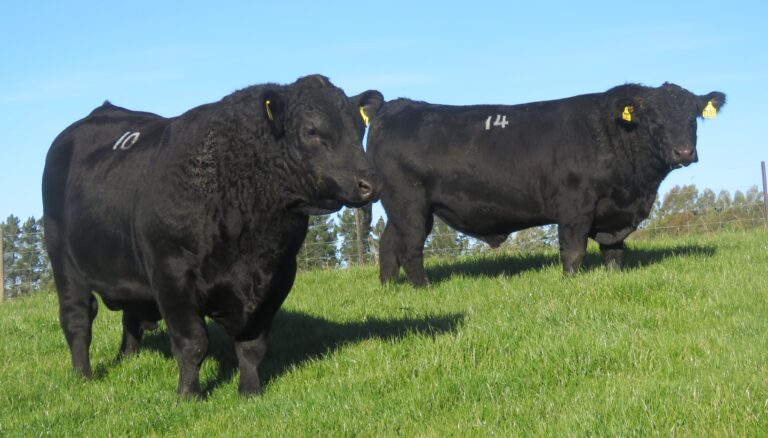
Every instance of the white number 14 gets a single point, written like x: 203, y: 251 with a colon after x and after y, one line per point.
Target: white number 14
x: 500, y: 121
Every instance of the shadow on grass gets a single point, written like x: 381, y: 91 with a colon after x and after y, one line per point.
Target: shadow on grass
x: 513, y: 264
x: 297, y: 338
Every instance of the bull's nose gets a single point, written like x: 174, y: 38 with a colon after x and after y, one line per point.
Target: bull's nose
x: 684, y: 155
x: 365, y: 189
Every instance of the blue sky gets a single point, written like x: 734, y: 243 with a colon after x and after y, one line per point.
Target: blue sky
x: 61, y: 59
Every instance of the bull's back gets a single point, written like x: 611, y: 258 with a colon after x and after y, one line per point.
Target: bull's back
x: 91, y: 178
x: 106, y: 152
x: 485, y: 168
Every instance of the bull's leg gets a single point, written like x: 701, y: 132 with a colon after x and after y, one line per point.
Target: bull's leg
x: 389, y: 266
x: 403, y: 243
x: 250, y: 352
x: 76, y: 315
x: 409, y: 221
x: 137, y: 318
x: 186, y: 324
x: 77, y: 310
x: 132, y: 333
x: 251, y: 347
x: 612, y: 255
x: 414, y: 236
x: 189, y: 344
x: 573, y: 244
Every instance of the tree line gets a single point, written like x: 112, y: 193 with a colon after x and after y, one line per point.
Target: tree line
x: 25, y: 261
x: 332, y: 240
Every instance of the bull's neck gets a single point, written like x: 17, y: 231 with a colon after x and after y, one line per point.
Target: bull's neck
x: 631, y: 153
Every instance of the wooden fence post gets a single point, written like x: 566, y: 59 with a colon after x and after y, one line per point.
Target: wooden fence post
x: 2, y: 269
x: 359, y: 230
x: 765, y: 193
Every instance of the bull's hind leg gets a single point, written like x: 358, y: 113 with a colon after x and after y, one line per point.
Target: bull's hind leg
x: 135, y: 321
x: 77, y: 305
x: 77, y: 310
x: 132, y: 334
x: 612, y: 255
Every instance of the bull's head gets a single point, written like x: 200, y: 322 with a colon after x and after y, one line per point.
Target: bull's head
x: 668, y: 116
x: 323, y: 129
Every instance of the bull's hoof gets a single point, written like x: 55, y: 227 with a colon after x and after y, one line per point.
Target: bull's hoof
x: 127, y: 352
x: 249, y: 391
x: 421, y: 283
x: 193, y: 395
x: 85, y: 374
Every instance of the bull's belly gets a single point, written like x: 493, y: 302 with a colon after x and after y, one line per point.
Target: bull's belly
x: 484, y: 220
x: 119, y: 294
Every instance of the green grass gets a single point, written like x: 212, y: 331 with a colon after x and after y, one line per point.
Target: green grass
x: 500, y: 345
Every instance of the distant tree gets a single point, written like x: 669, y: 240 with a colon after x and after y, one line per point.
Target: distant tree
x: 679, y: 199
x: 319, y: 248
x: 29, y: 264
x: 739, y: 200
x: 754, y: 209
x: 684, y: 210
x: 445, y: 241
x: 46, y: 274
x: 11, y: 235
x: 723, y: 201
x: 706, y: 202
x: 754, y: 196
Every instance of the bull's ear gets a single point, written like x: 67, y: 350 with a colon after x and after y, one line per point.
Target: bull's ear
x: 711, y: 104
x: 368, y: 104
x: 273, y: 110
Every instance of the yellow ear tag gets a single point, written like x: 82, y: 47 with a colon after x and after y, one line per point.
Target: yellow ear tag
x: 269, y: 111
x: 710, y: 112
x: 365, y: 118
x: 627, y: 114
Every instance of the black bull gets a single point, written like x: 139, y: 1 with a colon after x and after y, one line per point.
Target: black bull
x: 198, y: 215
x: 591, y: 164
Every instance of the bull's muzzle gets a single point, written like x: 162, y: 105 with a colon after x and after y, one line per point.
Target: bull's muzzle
x: 366, y: 190
x: 684, y: 156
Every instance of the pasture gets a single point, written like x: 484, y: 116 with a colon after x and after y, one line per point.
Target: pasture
x: 501, y: 344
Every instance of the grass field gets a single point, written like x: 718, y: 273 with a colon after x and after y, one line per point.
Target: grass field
x: 500, y: 345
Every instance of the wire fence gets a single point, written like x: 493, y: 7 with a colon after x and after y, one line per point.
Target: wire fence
x: 339, y: 241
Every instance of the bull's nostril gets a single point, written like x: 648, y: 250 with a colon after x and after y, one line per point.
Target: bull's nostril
x: 364, y: 188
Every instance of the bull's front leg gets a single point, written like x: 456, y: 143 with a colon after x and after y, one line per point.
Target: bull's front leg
x: 250, y: 352
x: 186, y: 326
x: 573, y: 244
x: 612, y: 255
x: 251, y: 346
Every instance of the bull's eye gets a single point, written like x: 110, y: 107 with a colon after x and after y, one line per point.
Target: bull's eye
x: 315, y: 136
